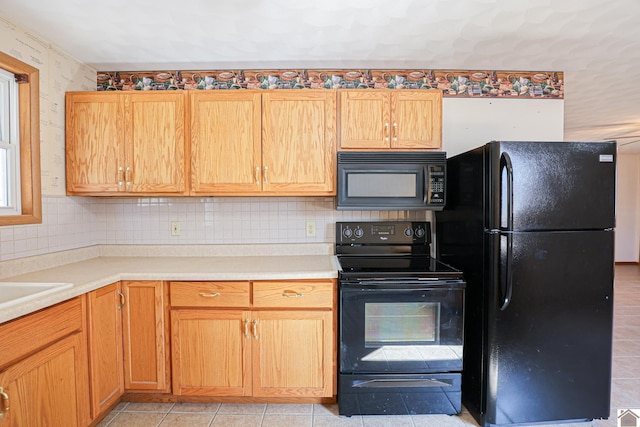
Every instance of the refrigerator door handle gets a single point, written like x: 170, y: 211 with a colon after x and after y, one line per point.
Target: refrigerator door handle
x: 506, y: 294
x: 506, y: 201
x: 505, y: 163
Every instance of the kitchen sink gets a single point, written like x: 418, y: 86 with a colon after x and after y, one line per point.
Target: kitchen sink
x: 13, y: 293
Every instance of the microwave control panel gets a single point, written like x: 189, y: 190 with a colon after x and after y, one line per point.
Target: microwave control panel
x: 436, y: 184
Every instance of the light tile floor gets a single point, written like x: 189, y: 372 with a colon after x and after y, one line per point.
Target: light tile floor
x: 625, y: 390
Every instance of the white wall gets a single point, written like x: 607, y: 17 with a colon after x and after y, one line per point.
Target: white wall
x: 628, y: 209
x: 471, y: 122
x: 59, y: 73
x: 72, y: 222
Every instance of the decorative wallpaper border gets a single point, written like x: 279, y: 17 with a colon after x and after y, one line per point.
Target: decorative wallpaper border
x: 453, y: 83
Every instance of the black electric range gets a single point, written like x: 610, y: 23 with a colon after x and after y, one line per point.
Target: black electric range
x: 400, y: 317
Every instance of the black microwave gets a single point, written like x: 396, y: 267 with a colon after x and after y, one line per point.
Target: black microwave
x: 377, y: 180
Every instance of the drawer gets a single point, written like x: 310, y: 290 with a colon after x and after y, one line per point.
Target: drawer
x: 293, y: 294
x: 31, y: 332
x: 209, y: 294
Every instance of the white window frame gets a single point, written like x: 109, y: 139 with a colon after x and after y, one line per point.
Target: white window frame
x: 10, y: 143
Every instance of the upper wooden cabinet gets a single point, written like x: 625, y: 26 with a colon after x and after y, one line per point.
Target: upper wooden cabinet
x: 125, y: 143
x: 299, y: 142
x: 278, y: 142
x: 390, y: 119
x: 226, y: 150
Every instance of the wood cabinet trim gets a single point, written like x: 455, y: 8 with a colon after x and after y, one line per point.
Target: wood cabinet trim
x: 69, y: 317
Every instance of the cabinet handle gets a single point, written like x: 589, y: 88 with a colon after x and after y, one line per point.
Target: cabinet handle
x: 5, y: 403
x: 255, y: 329
x: 127, y: 176
x: 386, y: 131
x: 266, y: 180
x: 291, y: 294
x: 246, y: 328
x: 122, y: 301
x: 257, y: 175
x: 120, y: 176
x: 395, y: 131
x: 209, y: 294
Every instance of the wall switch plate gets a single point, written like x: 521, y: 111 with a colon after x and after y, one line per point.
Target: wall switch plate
x: 311, y: 229
x: 175, y: 228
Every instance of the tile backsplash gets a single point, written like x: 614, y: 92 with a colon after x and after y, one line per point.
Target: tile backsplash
x: 75, y: 222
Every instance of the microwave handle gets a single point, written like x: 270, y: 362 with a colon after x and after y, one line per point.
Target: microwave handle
x: 427, y: 180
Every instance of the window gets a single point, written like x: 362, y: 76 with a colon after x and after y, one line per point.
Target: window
x: 9, y: 146
x: 20, y: 199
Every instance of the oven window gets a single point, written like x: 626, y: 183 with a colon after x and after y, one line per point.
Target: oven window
x: 401, y: 323
x: 381, y: 185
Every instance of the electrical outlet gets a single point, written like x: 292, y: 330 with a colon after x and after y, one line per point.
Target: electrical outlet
x: 175, y: 228
x: 311, y: 229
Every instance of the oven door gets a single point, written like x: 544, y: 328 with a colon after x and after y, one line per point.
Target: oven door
x: 417, y: 328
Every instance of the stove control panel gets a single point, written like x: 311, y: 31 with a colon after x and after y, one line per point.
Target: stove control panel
x: 384, y: 232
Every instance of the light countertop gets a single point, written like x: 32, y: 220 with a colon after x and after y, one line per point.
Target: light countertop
x: 93, y: 273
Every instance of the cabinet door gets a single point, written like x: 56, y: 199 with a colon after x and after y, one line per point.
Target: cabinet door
x: 105, y: 347
x: 293, y: 354
x: 94, y: 143
x: 298, y: 142
x: 211, y: 352
x: 155, y: 142
x: 49, y: 388
x: 225, y: 143
x: 365, y: 119
x: 417, y: 119
x: 146, y: 353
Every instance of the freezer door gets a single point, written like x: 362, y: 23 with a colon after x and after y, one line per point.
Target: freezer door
x: 551, y: 185
x: 550, y: 327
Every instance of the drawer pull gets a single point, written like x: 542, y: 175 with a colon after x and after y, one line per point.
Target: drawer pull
x: 291, y: 294
x: 5, y: 403
x: 246, y: 328
x: 255, y: 329
x: 209, y: 294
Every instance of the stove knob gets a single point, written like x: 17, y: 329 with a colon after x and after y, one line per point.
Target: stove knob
x: 408, y: 232
x: 359, y: 232
x: 419, y: 232
x: 347, y: 232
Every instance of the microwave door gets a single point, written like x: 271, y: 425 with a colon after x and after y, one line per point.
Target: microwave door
x: 391, y: 181
x: 386, y: 189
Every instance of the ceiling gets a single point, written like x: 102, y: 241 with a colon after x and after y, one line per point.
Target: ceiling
x: 596, y: 43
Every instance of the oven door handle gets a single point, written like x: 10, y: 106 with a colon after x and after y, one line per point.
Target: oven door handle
x: 403, y: 383
x: 402, y: 285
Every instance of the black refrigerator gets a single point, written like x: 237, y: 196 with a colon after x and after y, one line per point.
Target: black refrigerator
x: 531, y: 225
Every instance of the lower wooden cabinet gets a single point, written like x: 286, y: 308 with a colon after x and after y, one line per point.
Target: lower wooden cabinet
x: 127, y: 341
x: 211, y: 352
x: 292, y: 353
x: 106, y: 379
x: 145, y: 336
x: 285, y: 349
x: 43, y: 372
